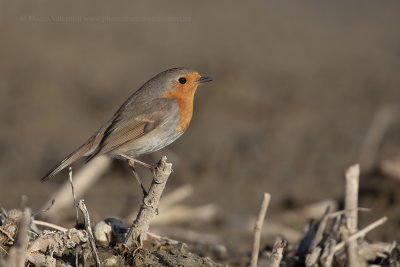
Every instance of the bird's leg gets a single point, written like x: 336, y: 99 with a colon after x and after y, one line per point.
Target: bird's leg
x: 132, y: 165
x: 149, y: 166
x: 152, y: 168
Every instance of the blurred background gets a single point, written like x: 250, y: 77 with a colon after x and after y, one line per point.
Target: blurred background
x: 301, y: 91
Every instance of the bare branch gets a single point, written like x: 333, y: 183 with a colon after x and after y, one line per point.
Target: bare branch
x: 150, y: 202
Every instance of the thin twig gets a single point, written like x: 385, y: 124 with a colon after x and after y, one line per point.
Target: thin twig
x: 361, y: 233
x: 43, y: 210
x: 342, y: 212
x: 50, y: 225
x: 85, y: 213
x: 4, y: 251
x: 7, y: 234
x: 314, y: 250
x: 73, y: 196
x: 330, y: 252
x: 320, y: 230
x: 257, y: 230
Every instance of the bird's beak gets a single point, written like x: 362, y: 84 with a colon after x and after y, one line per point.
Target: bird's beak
x: 204, y: 80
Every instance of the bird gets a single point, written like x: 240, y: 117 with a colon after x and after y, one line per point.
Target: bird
x: 153, y: 117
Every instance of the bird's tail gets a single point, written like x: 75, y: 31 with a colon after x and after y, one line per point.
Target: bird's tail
x: 77, y: 154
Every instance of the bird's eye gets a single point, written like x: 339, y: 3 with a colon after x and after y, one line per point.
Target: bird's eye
x: 182, y: 80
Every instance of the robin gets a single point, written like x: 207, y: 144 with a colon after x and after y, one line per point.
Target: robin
x: 151, y: 118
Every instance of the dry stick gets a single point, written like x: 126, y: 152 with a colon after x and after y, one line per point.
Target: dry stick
x: 34, y: 214
x: 76, y: 209
x: 361, y: 233
x: 351, y: 208
x: 376, y: 250
x: 320, y: 230
x: 17, y: 254
x: 7, y: 234
x: 73, y: 196
x: 342, y: 212
x: 276, y: 256
x: 50, y: 225
x: 150, y: 202
x: 330, y: 247
x: 85, y: 213
x: 314, y: 250
x: 83, y: 180
x: 257, y: 230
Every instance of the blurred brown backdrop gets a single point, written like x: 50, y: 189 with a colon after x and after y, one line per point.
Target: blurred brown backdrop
x: 296, y: 88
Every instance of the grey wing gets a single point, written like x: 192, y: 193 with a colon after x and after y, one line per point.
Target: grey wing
x: 131, y: 122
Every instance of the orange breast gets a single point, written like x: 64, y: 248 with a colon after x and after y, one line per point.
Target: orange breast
x: 184, y: 94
